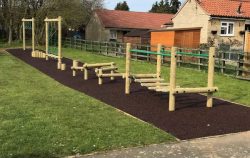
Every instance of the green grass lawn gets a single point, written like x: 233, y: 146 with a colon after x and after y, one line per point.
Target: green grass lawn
x: 41, y: 118
x: 229, y: 88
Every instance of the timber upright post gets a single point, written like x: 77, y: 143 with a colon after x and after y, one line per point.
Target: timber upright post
x: 172, y: 79
x: 33, y: 35
x: 127, y: 73
x: 59, y: 42
x: 159, y: 60
x: 24, y: 44
x: 210, y: 82
x: 47, y: 37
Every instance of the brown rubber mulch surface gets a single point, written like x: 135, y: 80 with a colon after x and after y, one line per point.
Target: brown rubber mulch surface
x: 190, y: 120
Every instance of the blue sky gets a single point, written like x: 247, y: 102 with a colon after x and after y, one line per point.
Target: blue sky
x: 135, y: 5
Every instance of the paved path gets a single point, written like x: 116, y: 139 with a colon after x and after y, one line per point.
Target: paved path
x: 229, y: 146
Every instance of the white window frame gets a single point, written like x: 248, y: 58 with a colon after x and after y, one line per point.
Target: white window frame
x: 227, y: 34
x: 113, y: 36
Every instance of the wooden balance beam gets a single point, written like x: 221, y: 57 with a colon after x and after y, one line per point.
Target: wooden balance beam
x: 113, y: 73
x: 154, y: 84
x: 137, y: 76
x: 87, y: 66
x: 106, y: 69
x: 196, y: 90
x: 149, y: 80
x: 158, y: 87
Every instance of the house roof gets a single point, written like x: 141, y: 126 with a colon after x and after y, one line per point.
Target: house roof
x: 226, y: 8
x: 132, y: 20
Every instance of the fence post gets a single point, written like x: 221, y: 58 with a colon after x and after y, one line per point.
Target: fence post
x: 100, y: 47
x: 91, y: 46
x: 75, y: 42
x: 246, y: 58
x: 223, y: 63
x: 81, y: 44
x: 199, y: 59
x: 147, y: 47
x: 85, y: 45
x: 238, y: 64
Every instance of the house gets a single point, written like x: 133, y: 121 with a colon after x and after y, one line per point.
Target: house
x: 112, y: 25
x: 219, y: 22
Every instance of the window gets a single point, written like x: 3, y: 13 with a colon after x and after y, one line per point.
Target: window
x: 247, y: 27
x: 113, y: 34
x: 227, y: 29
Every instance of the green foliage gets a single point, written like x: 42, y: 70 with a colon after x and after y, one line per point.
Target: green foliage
x: 122, y: 6
x: 75, y: 13
x: 164, y: 6
x: 42, y: 118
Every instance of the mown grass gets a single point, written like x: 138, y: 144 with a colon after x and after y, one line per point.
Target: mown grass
x: 41, y: 118
x: 229, y: 88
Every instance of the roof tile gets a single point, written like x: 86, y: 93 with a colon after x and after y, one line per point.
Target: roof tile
x: 227, y: 8
x: 132, y: 20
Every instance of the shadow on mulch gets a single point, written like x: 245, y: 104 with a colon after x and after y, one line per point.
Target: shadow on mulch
x: 190, y: 120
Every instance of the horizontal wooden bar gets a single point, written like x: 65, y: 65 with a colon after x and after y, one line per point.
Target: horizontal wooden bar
x: 97, y: 65
x: 51, y: 20
x: 196, y: 90
x: 163, y: 90
x: 108, y: 68
x: 76, y: 68
x: 27, y: 20
x: 158, y: 87
x: 149, y: 80
x: 154, y: 84
x: 112, y: 75
x: 143, y: 75
x: 52, y: 56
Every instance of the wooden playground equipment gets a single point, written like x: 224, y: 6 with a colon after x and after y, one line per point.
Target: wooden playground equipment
x: 86, y: 67
x: 108, y: 72
x: 210, y: 89
x: 55, y: 53
x: 156, y: 83
x: 29, y: 24
x: 151, y: 81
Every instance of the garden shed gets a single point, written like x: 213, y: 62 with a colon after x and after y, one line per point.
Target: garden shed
x: 184, y: 38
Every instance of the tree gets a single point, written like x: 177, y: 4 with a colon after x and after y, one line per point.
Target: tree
x: 75, y: 13
x: 122, y: 6
x: 165, y: 7
x: 175, y: 5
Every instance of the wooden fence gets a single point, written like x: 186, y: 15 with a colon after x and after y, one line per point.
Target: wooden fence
x: 227, y: 62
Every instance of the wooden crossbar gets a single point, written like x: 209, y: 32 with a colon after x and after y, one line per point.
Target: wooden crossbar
x: 108, y: 68
x: 76, y: 68
x: 196, y: 90
x: 143, y: 75
x: 97, y: 65
x: 149, y: 80
x: 158, y: 87
x: 51, y: 20
x: 154, y: 84
x: 52, y: 56
x: 27, y: 20
x: 164, y: 90
x: 111, y: 75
